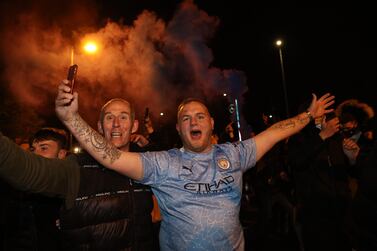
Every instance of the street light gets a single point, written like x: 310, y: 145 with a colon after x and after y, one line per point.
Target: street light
x: 279, y: 44
x: 90, y: 47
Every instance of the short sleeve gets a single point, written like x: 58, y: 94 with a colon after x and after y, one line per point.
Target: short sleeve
x: 155, y: 167
x: 247, y: 151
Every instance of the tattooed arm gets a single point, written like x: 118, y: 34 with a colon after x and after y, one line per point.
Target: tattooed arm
x: 283, y: 129
x: 127, y: 163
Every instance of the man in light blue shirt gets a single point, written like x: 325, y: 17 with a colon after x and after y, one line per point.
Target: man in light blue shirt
x: 199, y: 195
x: 199, y: 186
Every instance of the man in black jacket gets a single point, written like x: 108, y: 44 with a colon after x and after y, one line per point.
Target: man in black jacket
x: 103, y: 210
x: 321, y: 161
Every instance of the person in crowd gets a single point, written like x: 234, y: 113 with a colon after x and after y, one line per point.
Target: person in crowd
x: 364, y: 204
x: 356, y: 122
x: 321, y: 160
x: 30, y: 219
x: 198, y: 187
x: 49, y: 142
x: 103, y: 210
x: 273, y: 190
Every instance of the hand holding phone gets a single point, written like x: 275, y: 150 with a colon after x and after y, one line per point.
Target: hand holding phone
x: 71, y: 77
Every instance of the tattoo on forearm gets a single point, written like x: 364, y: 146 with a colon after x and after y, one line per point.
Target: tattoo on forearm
x: 285, y: 124
x: 95, y: 140
x: 292, y: 122
x: 303, y: 118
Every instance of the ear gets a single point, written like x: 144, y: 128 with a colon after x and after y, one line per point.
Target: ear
x: 62, y: 154
x: 135, y: 126
x: 99, y: 126
x: 177, y: 128
x: 212, y: 124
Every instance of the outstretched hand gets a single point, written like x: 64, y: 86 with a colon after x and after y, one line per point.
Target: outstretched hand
x: 66, y: 105
x: 320, y: 107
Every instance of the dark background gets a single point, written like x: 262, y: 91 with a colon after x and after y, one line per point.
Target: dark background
x: 326, y: 49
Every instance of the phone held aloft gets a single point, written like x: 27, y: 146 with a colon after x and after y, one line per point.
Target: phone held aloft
x: 71, y: 77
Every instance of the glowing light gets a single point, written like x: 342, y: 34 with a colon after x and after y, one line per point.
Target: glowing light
x: 224, y: 94
x: 161, y: 114
x: 270, y: 116
x: 76, y: 149
x: 90, y: 47
x: 279, y: 42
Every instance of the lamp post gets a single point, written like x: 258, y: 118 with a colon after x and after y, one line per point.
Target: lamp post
x: 279, y: 44
x: 72, y: 55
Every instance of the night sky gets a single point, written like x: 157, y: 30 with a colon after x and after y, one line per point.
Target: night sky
x: 325, y: 49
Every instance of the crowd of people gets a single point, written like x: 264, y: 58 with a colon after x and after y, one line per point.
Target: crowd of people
x: 310, y: 179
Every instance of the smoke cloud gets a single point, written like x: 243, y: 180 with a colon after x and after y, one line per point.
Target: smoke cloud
x: 152, y: 63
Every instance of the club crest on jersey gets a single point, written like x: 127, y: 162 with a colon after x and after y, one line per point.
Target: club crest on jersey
x: 223, y: 164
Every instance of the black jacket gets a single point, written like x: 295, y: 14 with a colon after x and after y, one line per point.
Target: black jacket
x: 111, y: 211
x: 102, y: 211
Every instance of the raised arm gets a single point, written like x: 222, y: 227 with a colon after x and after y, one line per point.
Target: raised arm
x: 283, y: 129
x: 66, y: 107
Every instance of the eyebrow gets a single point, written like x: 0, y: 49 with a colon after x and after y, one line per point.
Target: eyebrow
x: 199, y: 113
x: 107, y: 113
x: 43, y: 144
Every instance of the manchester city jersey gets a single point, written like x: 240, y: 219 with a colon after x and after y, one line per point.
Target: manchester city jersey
x: 199, y: 195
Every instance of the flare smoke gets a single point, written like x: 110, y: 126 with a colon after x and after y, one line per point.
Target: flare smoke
x: 152, y: 63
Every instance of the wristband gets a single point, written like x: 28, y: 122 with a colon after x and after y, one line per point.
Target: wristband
x: 310, y: 116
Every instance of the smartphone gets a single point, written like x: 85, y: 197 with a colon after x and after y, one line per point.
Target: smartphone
x: 72, y: 72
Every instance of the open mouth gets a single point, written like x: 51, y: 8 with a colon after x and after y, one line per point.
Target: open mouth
x: 196, y: 134
x: 116, y: 134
